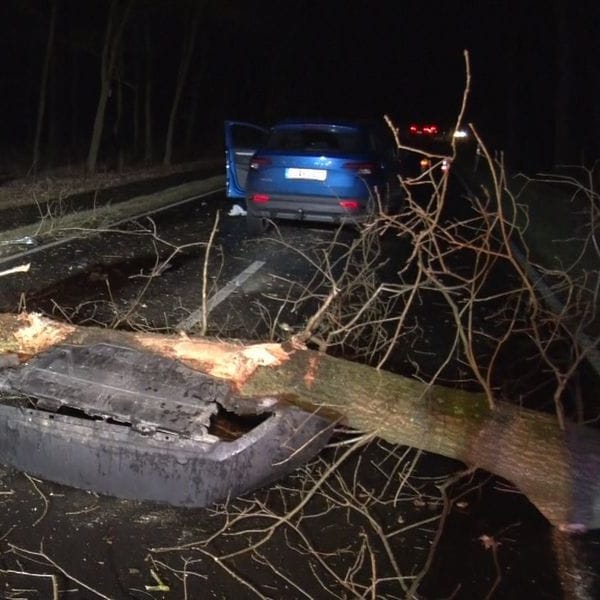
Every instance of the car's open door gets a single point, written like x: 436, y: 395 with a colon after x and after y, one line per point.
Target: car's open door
x: 241, y: 142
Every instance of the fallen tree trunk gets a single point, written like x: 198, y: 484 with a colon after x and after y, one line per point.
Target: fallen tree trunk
x: 559, y: 471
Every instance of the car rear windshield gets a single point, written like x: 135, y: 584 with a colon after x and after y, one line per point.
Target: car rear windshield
x: 304, y: 139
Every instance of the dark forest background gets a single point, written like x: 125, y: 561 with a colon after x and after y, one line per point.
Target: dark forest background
x: 172, y: 70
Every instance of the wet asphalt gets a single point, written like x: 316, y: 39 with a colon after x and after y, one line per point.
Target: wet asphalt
x: 149, y: 275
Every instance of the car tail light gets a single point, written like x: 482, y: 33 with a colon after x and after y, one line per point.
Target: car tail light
x: 349, y: 204
x: 361, y: 168
x: 260, y: 198
x: 259, y: 162
x: 425, y: 164
x: 429, y: 129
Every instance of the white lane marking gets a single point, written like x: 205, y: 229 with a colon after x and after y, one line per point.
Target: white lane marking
x: 70, y: 238
x: 195, y: 317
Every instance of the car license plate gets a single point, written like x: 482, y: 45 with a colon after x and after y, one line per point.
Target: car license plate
x: 314, y: 174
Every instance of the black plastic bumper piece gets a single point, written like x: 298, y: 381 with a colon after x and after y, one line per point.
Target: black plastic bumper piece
x: 162, y: 459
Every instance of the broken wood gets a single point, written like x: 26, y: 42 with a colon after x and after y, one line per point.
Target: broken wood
x: 559, y: 471
x: 18, y: 269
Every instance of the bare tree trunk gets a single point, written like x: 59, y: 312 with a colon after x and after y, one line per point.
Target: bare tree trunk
x: 110, y: 52
x: 148, y: 98
x: 74, y: 138
x: 193, y: 113
x: 136, y: 121
x: 562, y: 102
x: 117, y: 127
x: 558, y: 470
x: 53, y: 110
x: 186, y: 57
x: 43, y: 89
x: 192, y: 119
x: 138, y: 70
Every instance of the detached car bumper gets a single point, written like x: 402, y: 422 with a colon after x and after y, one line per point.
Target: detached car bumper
x: 131, y: 424
x: 117, y: 461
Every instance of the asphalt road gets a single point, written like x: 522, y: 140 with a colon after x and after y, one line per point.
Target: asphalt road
x: 153, y: 274
x: 158, y: 272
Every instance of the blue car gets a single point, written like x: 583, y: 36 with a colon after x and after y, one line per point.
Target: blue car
x: 328, y: 172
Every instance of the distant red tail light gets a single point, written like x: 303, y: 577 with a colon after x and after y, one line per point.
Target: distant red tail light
x: 260, y: 198
x: 259, y: 162
x: 349, y: 204
x: 360, y: 168
x: 429, y: 129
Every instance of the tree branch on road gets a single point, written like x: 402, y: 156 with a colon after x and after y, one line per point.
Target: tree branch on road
x: 557, y: 469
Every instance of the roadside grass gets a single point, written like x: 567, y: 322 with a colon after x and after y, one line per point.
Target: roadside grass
x: 67, y: 181
x: 50, y: 193
x: 558, y: 212
x: 559, y: 222
x: 66, y: 223
x: 563, y: 236
x: 557, y: 230
x: 557, y: 215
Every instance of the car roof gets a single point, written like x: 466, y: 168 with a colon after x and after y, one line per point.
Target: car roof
x: 333, y: 123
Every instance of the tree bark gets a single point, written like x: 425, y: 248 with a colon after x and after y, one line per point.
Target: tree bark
x: 43, y: 90
x: 148, y: 98
x: 563, y: 128
x: 110, y: 51
x: 138, y: 69
x: 559, y: 471
x: 184, y: 65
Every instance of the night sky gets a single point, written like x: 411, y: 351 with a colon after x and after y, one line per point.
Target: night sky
x: 535, y: 69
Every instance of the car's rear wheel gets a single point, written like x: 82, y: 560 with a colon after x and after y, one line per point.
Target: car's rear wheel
x: 386, y: 199
x: 256, y: 225
x: 391, y: 199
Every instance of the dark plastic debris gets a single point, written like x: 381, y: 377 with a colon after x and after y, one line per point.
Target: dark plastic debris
x: 150, y: 392
x: 143, y: 430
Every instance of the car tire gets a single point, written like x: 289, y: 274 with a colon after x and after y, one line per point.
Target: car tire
x: 394, y: 200
x: 386, y: 200
x: 255, y: 225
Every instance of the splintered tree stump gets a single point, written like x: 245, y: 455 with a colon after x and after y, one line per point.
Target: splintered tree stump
x: 558, y: 470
